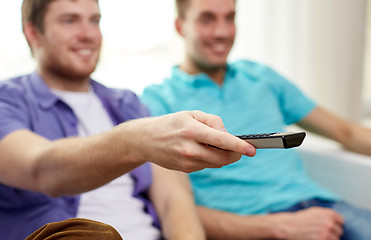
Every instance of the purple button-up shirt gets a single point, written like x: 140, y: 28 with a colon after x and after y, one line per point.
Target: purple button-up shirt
x: 27, y: 103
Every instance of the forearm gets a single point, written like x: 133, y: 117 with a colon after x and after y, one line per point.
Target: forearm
x: 352, y: 136
x: 311, y: 223
x: 67, y: 166
x: 359, y: 140
x: 181, y: 222
x: 221, y: 225
x: 75, y: 165
x: 173, y: 199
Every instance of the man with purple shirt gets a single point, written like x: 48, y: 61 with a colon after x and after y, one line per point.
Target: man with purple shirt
x: 69, y: 146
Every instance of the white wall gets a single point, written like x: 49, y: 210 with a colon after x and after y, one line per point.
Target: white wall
x: 318, y: 44
x: 367, y: 65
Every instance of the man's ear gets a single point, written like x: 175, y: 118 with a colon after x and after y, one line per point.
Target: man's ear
x: 179, y: 26
x: 32, y: 34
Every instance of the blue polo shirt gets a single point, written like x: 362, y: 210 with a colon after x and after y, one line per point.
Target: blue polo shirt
x: 252, y: 99
x: 27, y: 103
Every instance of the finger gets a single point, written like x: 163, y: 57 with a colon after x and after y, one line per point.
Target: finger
x: 335, y: 222
x: 210, y: 120
x: 215, y: 157
x: 219, y: 156
x: 338, y: 218
x: 223, y: 140
x: 195, y: 165
x: 332, y: 237
x: 338, y: 230
x: 339, y: 221
x: 207, y: 157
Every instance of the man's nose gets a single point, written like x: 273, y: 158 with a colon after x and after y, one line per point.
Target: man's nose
x: 223, y: 29
x: 89, y: 31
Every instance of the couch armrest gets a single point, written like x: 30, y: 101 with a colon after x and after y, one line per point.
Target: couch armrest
x: 343, y: 172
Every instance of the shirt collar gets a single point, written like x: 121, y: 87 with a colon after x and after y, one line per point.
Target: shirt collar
x: 200, y: 78
x: 101, y: 91
x: 45, y: 98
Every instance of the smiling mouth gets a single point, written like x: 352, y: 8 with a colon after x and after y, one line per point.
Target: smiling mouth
x: 85, y: 52
x: 220, y: 48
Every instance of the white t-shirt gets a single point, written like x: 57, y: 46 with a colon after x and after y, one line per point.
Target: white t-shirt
x: 112, y: 203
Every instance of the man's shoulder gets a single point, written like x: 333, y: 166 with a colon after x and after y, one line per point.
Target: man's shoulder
x: 259, y: 72
x: 252, y: 68
x: 157, y: 87
x: 166, y: 87
x: 12, y: 82
x: 16, y: 85
x: 160, y: 97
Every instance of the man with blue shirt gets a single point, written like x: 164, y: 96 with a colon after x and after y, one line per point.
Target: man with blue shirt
x: 270, y: 197
x: 70, y: 147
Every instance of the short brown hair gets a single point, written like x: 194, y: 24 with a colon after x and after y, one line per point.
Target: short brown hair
x: 33, y: 11
x: 181, y: 6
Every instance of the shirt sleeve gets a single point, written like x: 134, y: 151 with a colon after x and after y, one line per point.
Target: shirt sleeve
x: 294, y: 104
x: 13, y: 111
x: 152, y: 97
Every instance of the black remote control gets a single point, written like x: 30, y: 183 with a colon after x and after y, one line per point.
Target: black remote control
x: 274, y: 140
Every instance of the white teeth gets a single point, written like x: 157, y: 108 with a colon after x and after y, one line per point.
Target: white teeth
x: 85, y: 52
x: 219, y: 47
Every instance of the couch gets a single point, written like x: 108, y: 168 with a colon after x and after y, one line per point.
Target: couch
x: 346, y: 173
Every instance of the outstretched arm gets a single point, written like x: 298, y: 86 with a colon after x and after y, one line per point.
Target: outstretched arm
x: 352, y: 136
x: 74, y: 165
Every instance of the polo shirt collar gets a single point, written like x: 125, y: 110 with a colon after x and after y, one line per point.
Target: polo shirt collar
x: 200, y: 78
x: 185, y: 77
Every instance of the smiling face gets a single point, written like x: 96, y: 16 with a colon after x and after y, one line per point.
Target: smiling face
x: 208, y: 29
x: 69, y: 45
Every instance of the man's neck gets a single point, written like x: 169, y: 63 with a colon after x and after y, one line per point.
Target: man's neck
x: 217, y: 74
x: 72, y: 84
